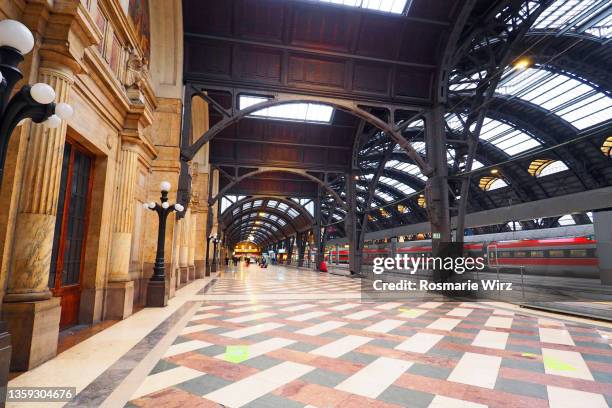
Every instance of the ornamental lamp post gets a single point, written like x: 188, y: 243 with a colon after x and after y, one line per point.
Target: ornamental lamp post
x: 31, y: 101
x: 156, y: 288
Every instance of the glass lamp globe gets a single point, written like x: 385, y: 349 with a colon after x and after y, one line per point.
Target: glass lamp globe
x: 16, y: 35
x: 42, y: 93
x: 145, y: 206
x: 165, y: 205
x: 165, y: 186
x: 53, y: 122
x: 151, y: 205
x: 179, y: 207
x: 64, y: 111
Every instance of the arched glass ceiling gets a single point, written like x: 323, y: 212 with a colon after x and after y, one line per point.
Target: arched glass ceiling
x: 263, y: 204
x: 579, y: 16
x: 574, y: 101
x: 546, y: 167
x: 501, y: 135
x: 250, y: 218
x: 407, y: 168
x: 387, y: 6
x: 299, y: 112
x: 307, y: 203
x: 228, y: 200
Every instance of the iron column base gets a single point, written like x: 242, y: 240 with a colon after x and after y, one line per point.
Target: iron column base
x: 156, y: 294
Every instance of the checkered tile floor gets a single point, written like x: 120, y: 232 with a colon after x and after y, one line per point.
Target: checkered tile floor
x: 344, y: 353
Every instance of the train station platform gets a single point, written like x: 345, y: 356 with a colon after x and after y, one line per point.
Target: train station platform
x: 288, y: 337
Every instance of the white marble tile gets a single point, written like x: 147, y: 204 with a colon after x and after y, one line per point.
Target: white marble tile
x: 263, y: 347
x: 374, y: 378
x: 567, y: 398
x: 363, y: 314
x: 430, y: 305
x: 251, y: 317
x: 165, y: 379
x: 197, y: 328
x: 441, y: 401
x: 253, y: 308
x: 204, y: 316
x: 250, y: 330
x: 206, y: 308
x: 444, y: 323
x: 565, y: 363
x: 476, y: 369
x: 460, y: 312
x: 499, y: 322
x: 385, y: 326
x: 420, y: 342
x: 321, y: 328
x: 555, y: 336
x: 491, y: 339
x: 411, y: 313
x: 389, y: 306
x: 248, y: 389
x: 298, y: 308
x: 341, y: 346
x: 185, y: 347
x: 344, y: 306
x: 307, y: 316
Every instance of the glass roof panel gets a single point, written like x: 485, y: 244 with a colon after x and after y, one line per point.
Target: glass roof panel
x: 579, y: 104
x: 556, y: 166
x: 577, y: 16
x: 503, y: 136
x: 498, y: 183
x: 404, y: 167
x: 301, y: 112
x: 567, y: 219
x: 387, y: 6
x: 404, y: 188
x: 384, y: 196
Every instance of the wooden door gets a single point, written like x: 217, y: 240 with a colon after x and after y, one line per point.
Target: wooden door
x: 70, y: 232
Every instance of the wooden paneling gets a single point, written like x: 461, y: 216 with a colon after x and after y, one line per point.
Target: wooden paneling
x: 259, y: 64
x: 316, y: 72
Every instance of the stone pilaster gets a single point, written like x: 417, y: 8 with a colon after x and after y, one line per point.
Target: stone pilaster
x: 120, y: 297
x: 191, y: 252
x: 184, y: 248
x: 32, y: 315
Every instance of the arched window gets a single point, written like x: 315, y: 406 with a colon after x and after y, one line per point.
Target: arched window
x: 546, y: 167
x: 492, y: 183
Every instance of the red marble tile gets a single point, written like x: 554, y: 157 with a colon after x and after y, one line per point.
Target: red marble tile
x: 556, y: 380
x: 406, y: 355
x: 214, y: 366
x: 326, y: 363
x: 321, y: 396
x: 174, y: 398
x: 491, y: 398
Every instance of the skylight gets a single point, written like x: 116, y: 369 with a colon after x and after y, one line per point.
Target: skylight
x: 512, y: 141
x: 404, y: 188
x: 576, y: 15
x: 387, y: 6
x: 578, y: 103
x: 384, y: 196
x: 299, y: 112
x: 404, y: 167
x: 552, y: 167
x: 567, y: 219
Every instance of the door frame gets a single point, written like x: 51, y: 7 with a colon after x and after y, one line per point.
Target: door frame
x: 58, y: 290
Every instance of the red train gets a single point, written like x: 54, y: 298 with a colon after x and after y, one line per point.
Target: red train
x: 574, y: 257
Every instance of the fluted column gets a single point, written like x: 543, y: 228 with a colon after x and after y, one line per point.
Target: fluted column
x: 191, y: 252
x: 124, y: 217
x: 184, y: 248
x: 31, y: 261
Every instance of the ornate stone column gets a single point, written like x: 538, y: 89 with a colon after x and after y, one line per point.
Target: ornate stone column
x: 191, y: 252
x: 184, y: 248
x: 32, y: 314
x: 120, y: 295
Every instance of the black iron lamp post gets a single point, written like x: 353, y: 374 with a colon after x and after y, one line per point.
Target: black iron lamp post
x: 156, y: 289
x: 215, y: 241
x: 31, y: 101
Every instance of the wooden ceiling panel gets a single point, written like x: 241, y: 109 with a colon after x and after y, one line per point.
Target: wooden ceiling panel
x: 260, y: 20
x: 310, y: 71
x: 380, y: 36
x: 332, y: 30
x: 259, y: 64
x: 208, y: 17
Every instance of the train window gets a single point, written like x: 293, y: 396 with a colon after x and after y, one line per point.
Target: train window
x: 520, y: 254
x: 505, y: 254
x: 537, y: 254
x: 578, y: 253
x: 556, y: 253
